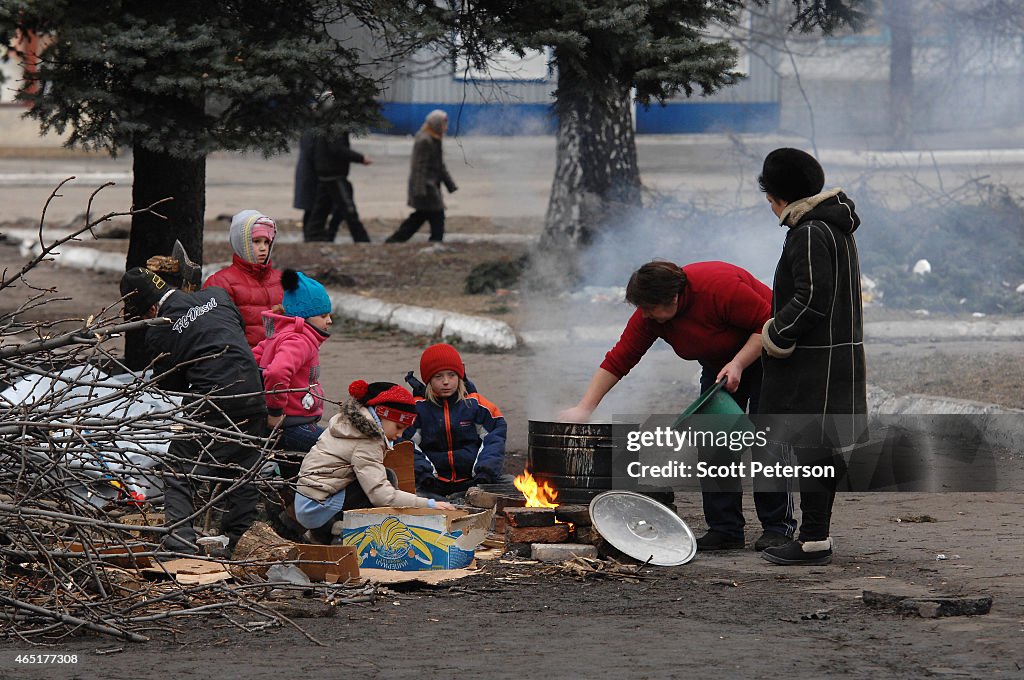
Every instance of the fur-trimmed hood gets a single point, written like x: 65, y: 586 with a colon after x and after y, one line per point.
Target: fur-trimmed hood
x: 355, y: 423
x: 832, y: 206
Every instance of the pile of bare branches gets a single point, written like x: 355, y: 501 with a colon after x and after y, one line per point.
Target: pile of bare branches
x: 83, y: 448
x: 589, y: 568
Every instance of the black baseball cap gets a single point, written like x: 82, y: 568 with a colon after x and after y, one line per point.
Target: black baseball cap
x: 142, y: 289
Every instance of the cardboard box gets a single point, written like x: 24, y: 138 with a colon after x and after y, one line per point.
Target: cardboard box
x: 337, y: 563
x: 190, y: 572
x: 415, y: 539
x: 401, y: 460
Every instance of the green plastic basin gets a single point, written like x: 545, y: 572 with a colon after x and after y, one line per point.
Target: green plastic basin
x: 715, y: 401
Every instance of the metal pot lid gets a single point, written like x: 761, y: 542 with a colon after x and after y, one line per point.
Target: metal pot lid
x: 643, y: 528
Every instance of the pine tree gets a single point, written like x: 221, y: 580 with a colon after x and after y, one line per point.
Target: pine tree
x: 174, y: 81
x: 606, y: 53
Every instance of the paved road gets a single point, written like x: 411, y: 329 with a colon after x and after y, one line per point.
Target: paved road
x: 502, y: 177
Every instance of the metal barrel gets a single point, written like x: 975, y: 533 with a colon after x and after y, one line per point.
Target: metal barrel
x: 574, y: 458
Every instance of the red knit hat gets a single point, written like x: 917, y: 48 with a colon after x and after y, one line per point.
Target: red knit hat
x: 441, y: 357
x: 389, y: 401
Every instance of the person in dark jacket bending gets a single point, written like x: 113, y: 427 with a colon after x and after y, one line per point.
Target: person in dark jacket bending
x: 711, y: 312
x: 203, y: 352
x: 332, y: 158
x: 814, y: 379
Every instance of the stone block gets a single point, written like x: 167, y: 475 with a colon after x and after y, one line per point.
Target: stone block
x: 560, y: 552
x: 517, y: 549
x: 588, y: 535
x: 505, y: 502
x: 559, y: 533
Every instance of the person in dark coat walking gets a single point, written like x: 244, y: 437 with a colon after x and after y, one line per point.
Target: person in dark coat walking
x: 427, y: 172
x: 332, y: 158
x: 307, y: 185
x: 814, y: 378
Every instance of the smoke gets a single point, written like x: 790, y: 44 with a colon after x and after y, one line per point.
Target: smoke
x: 906, y: 79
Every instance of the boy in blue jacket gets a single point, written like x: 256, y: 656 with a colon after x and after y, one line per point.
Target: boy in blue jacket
x: 459, y: 435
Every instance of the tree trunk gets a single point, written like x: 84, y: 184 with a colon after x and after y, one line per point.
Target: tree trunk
x: 158, y: 176
x: 901, y: 72
x: 597, y: 181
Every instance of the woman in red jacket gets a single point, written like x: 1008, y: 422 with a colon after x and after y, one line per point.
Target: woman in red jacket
x: 251, y: 280
x: 712, y: 313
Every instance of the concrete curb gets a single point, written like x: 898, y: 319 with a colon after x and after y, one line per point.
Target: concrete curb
x: 478, y: 330
x: 76, y: 257
x: 991, y: 420
x: 875, y: 330
x: 895, y: 330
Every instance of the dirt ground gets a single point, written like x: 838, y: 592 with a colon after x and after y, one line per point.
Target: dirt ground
x: 721, y: 616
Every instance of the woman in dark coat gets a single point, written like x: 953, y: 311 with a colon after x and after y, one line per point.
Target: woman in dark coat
x: 814, y: 379
x: 427, y: 172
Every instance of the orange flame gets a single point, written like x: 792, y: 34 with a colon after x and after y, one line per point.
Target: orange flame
x: 537, y: 496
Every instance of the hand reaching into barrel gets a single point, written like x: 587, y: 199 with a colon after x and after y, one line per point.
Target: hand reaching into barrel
x: 600, y: 383
x: 576, y: 414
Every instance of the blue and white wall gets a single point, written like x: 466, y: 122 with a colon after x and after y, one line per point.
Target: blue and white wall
x: 515, y: 97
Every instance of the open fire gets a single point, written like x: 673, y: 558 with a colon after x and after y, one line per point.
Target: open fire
x: 537, y: 496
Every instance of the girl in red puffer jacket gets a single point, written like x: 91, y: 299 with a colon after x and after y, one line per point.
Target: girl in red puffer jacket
x: 251, y: 280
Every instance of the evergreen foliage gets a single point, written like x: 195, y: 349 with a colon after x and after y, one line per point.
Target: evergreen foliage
x: 193, y: 76
x: 175, y: 81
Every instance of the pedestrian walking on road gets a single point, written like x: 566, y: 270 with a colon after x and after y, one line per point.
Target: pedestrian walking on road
x: 332, y: 158
x: 427, y: 172
x: 307, y: 185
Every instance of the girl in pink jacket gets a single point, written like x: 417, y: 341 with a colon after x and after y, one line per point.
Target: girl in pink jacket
x: 290, y: 360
